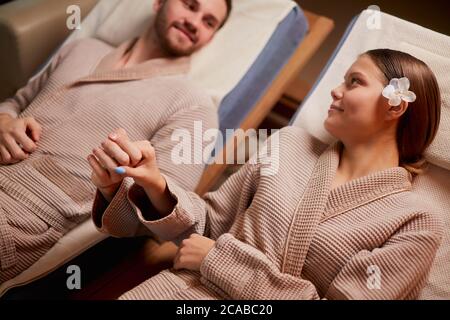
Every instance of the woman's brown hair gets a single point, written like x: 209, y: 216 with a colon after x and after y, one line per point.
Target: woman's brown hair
x: 419, y: 124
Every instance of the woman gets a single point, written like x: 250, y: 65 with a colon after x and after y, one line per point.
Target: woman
x: 337, y: 222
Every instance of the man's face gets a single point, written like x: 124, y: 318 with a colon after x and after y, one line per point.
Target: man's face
x: 185, y: 26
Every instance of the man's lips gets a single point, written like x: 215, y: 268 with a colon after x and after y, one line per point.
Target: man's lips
x: 186, y: 33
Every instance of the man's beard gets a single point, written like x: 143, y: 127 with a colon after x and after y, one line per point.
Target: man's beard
x: 166, y: 45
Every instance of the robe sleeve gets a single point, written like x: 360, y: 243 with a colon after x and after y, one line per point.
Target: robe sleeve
x: 210, y: 216
x: 122, y: 218
x: 402, y: 264
x: 15, y: 105
x: 397, y: 270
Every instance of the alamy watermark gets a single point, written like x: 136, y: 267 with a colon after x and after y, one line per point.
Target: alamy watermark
x: 373, y: 277
x: 373, y: 22
x: 197, y: 147
x: 73, y: 281
x: 74, y: 20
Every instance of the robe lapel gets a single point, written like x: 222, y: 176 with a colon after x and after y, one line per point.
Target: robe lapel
x: 309, y: 211
x: 318, y: 198
x: 360, y: 191
x: 148, y: 69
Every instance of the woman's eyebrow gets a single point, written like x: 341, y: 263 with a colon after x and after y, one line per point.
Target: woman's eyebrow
x: 357, y: 73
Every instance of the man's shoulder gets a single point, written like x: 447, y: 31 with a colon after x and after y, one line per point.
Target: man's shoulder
x: 85, y: 45
x: 182, y: 89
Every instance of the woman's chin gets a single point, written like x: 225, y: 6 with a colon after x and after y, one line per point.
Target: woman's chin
x: 330, y: 127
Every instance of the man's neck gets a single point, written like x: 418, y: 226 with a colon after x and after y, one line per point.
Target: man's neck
x: 147, y: 47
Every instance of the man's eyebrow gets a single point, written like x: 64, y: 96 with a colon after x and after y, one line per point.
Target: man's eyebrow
x: 212, y: 18
x: 208, y: 16
x: 196, y: 4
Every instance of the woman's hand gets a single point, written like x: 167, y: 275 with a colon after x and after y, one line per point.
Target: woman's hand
x: 146, y: 172
x: 116, y: 151
x: 192, y: 252
x: 147, y: 175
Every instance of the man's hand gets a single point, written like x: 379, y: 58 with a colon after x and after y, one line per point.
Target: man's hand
x: 18, y: 138
x: 116, y: 151
x: 192, y: 252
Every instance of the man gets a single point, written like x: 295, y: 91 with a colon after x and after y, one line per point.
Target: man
x: 48, y: 129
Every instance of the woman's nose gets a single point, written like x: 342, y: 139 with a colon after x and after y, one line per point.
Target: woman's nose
x: 336, y: 93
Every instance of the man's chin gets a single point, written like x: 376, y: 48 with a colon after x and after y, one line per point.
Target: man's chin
x: 180, y: 51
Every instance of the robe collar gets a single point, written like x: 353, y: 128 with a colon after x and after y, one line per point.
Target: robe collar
x: 148, y: 69
x: 319, y: 202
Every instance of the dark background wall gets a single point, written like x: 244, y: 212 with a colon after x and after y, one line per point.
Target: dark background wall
x: 431, y: 14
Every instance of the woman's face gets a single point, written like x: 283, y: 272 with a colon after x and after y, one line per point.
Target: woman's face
x: 358, y: 111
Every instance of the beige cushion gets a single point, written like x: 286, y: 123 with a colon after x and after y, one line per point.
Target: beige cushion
x: 29, y: 31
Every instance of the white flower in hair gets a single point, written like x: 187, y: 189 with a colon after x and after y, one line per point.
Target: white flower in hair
x: 398, y: 90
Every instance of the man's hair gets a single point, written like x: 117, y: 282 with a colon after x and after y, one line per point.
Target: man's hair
x: 229, y: 4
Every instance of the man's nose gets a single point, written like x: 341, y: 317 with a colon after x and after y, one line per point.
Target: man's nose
x: 191, y: 27
x: 193, y: 22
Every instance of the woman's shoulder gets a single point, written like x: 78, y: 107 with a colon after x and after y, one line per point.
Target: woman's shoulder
x: 420, y: 211
x: 298, y: 140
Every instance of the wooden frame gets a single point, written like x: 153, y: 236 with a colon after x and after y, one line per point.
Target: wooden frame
x: 319, y: 28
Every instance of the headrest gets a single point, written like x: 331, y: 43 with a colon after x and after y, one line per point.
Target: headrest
x: 427, y: 45
x: 221, y: 64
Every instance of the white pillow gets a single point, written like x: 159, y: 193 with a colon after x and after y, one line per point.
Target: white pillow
x: 221, y: 64
x: 431, y: 47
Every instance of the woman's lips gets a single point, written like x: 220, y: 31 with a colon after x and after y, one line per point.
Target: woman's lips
x: 332, y: 107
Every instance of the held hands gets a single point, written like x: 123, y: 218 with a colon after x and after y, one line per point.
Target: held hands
x: 116, y: 151
x: 118, y: 157
x: 192, y: 252
x: 18, y: 138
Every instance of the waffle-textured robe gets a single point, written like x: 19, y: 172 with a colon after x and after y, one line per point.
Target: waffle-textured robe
x: 283, y: 233
x: 78, y: 101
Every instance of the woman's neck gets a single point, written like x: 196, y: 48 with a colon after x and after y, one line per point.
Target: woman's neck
x: 361, y: 159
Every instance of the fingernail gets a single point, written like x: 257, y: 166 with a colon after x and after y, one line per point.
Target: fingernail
x: 119, y: 170
x: 113, y: 136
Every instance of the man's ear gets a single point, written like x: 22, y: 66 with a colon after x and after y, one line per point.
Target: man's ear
x: 394, y: 113
x: 157, y: 4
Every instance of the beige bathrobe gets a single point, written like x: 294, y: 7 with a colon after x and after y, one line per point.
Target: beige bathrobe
x: 283, y: 234
x: 78, y: 101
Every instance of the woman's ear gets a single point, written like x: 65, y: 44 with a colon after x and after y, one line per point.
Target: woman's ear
x: 394, y: 113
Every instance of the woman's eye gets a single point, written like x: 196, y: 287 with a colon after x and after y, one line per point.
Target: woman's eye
x: 354, y: 82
